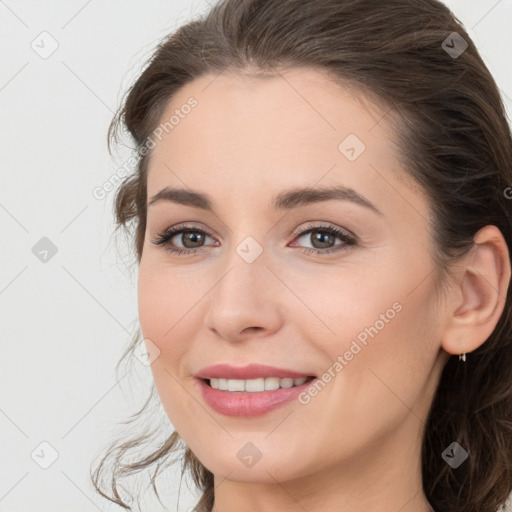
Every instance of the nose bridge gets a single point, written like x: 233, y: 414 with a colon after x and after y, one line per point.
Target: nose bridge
x: 245, y: 274
x: 243, y: 295
x: 245, y: 251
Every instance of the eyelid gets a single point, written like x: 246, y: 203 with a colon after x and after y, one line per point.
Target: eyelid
x: 323, y: 225
x: 179, y: 229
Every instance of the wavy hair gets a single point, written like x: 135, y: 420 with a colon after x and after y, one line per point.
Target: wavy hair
x: 452, y: 137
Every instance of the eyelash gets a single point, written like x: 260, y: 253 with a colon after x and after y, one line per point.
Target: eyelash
x: 164, y: 237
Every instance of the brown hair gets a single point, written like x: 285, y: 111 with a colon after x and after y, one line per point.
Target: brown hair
x: 452, y: 137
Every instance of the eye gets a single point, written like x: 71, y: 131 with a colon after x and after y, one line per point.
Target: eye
x: 323, y: 242
x: 192, y: 237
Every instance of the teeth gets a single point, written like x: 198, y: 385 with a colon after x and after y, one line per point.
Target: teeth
x: 255, y: 385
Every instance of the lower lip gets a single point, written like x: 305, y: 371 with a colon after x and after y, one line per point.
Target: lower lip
x: 239, y: 403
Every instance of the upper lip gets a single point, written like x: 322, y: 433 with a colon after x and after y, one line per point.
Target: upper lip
x: 252, y: 371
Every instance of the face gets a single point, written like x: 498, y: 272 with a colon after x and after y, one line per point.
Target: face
x: 340, y: 288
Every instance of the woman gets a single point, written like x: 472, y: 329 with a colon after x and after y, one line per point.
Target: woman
x: 371, y: 368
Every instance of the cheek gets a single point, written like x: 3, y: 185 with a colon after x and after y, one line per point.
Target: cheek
x: 377, y: 313
x: 163, y: 303
x: 164, y: 299
x: 337, y: 307
x: 162, y: 308
x: 378, y: 337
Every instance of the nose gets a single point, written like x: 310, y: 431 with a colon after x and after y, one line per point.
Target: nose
x: 247, y: 301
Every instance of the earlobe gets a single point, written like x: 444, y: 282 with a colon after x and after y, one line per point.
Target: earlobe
x: 479, y: 293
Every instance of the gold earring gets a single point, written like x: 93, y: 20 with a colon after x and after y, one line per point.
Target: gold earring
x: 462, y: 357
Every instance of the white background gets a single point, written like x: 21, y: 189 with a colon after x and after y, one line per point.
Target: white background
x: 66, y: 322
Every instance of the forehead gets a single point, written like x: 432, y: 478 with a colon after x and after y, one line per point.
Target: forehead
x: 285, y: 110
x: 258, y: 134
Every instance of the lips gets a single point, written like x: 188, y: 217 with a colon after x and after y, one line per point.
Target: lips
x: 252, y: 371
x: 248, y: 404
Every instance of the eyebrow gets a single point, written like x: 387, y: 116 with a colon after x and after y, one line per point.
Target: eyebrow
x: 286, y: 200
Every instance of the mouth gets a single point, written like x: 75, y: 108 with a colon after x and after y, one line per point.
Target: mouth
x: 256, y: 385
x: 252, y: 397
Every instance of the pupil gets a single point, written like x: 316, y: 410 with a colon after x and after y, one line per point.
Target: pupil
x: 193, y: 235
x: 319, y: 235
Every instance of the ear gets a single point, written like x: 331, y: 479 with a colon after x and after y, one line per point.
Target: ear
x: 478, y: 293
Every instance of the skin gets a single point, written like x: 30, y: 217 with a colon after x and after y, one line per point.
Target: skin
x: 356, y: 445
